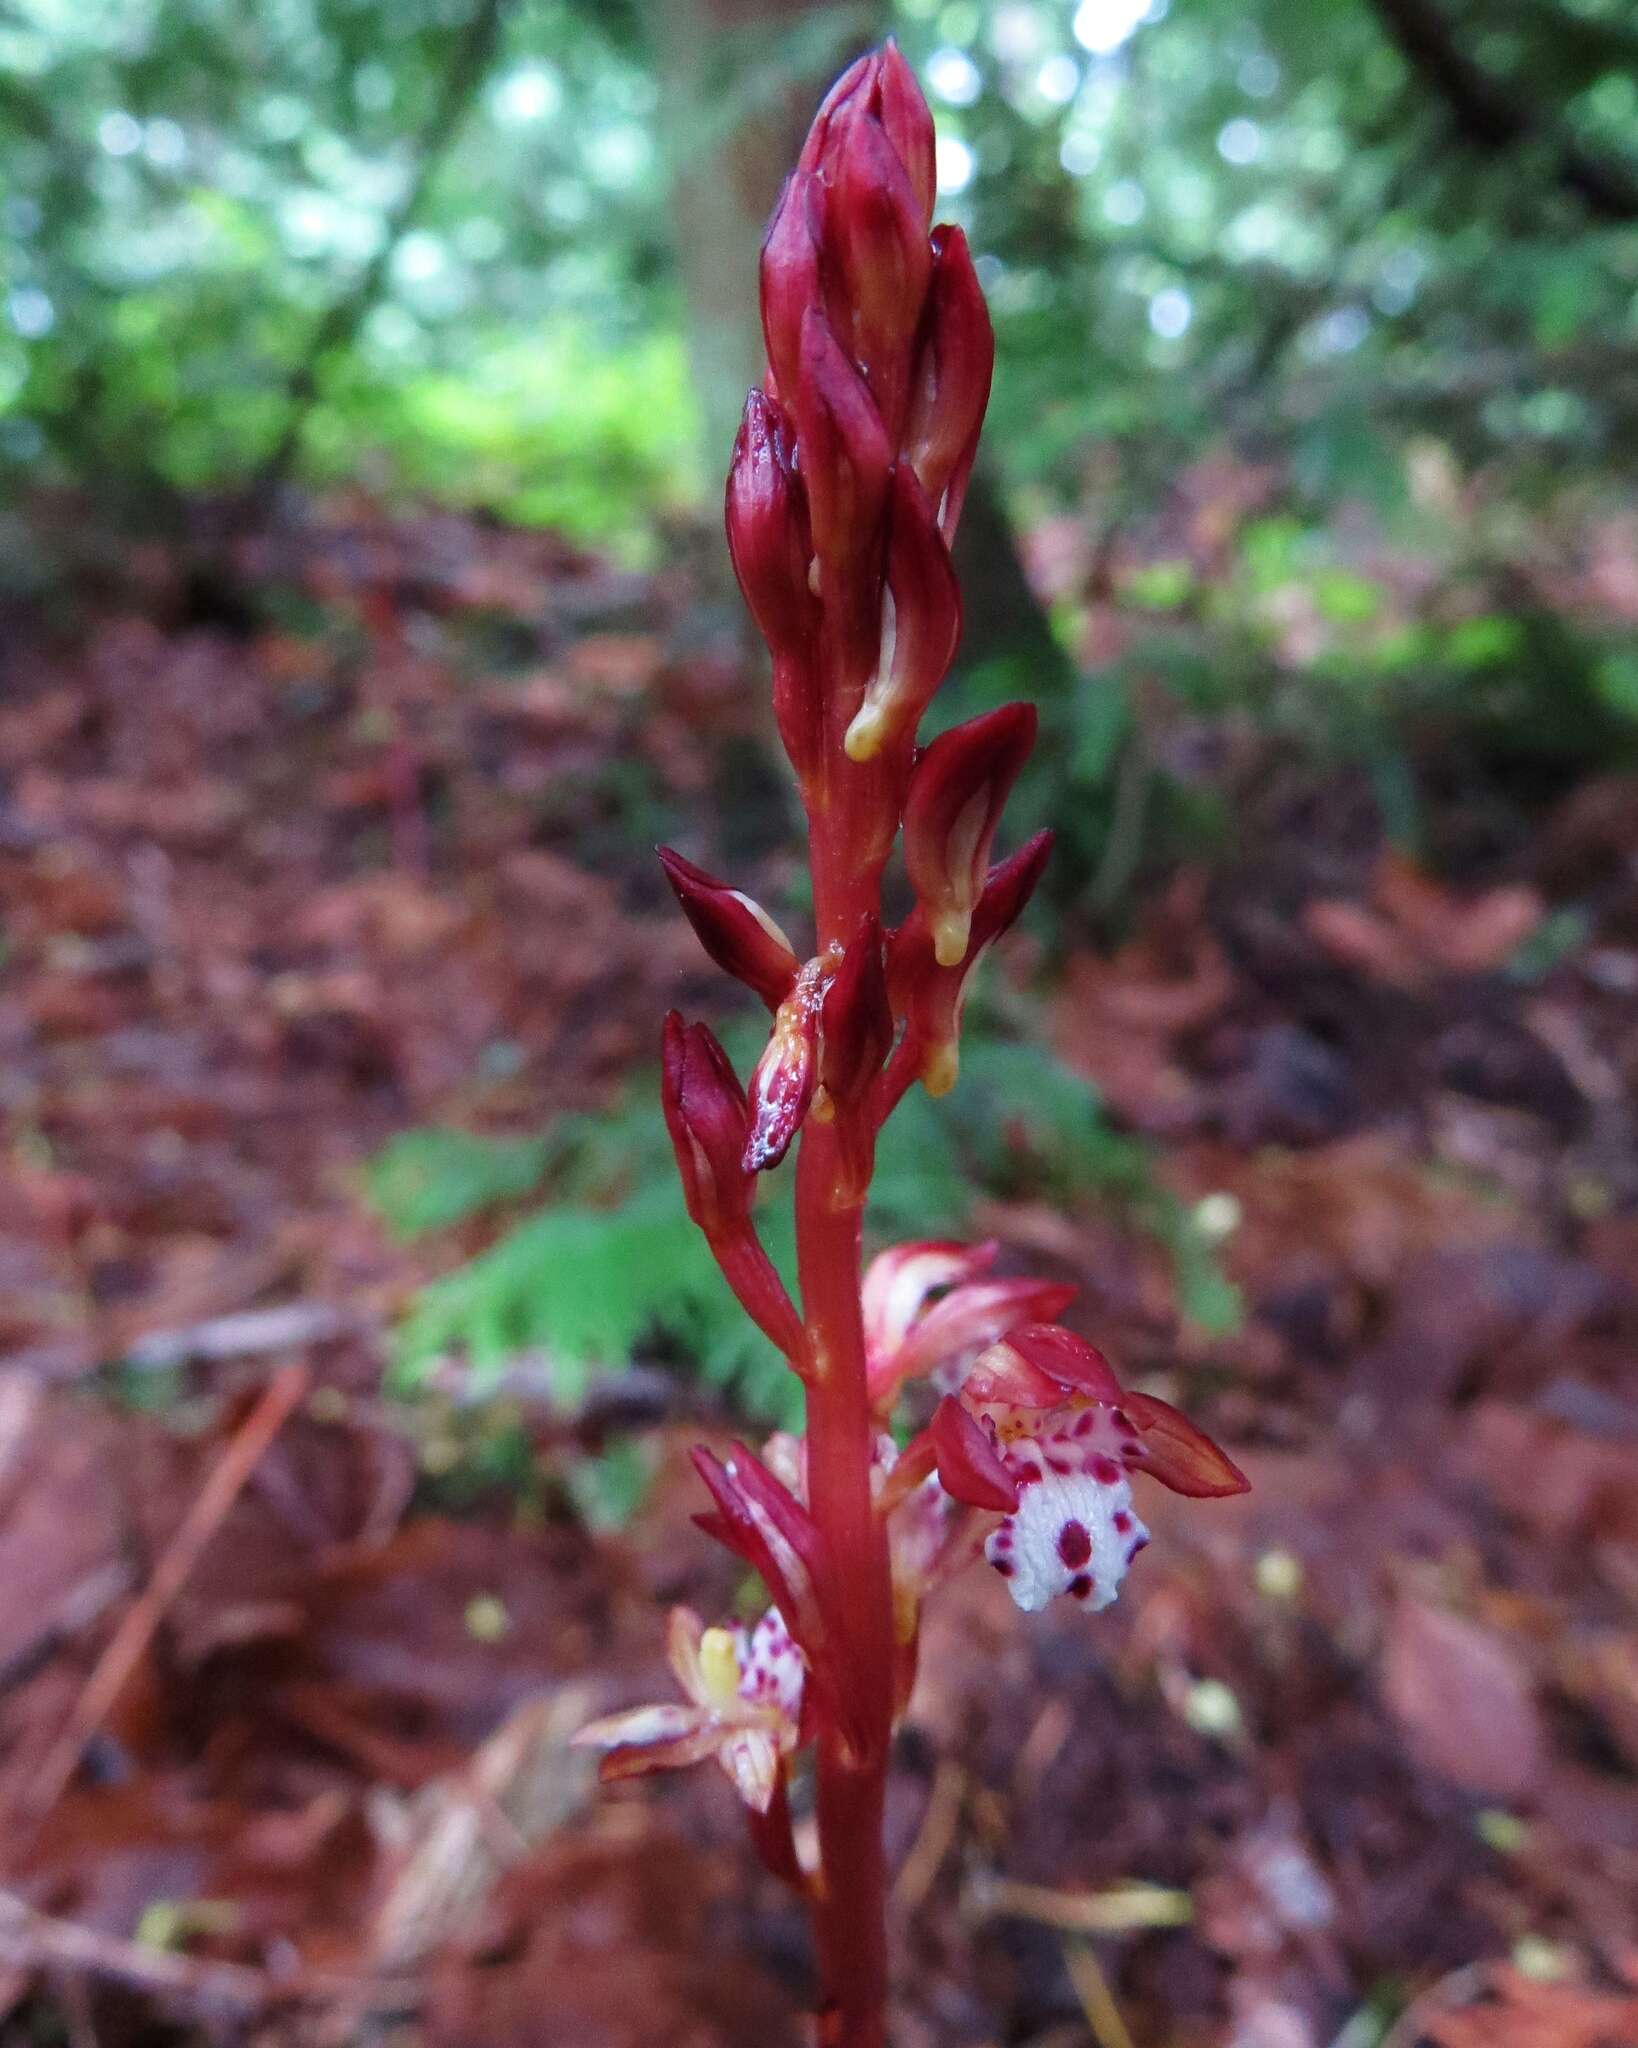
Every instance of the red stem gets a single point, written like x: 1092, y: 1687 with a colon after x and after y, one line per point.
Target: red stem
x: 850, y: 1908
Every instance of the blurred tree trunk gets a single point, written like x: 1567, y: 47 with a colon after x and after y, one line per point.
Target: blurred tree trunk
x: 739, y: 81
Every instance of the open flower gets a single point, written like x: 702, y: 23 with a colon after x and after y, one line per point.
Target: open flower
x: 1042, y: 1432
x: 910, y: 1334
x: 743, y: 1689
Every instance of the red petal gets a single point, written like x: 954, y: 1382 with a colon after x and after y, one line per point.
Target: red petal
x: 846, y: 460
x: 637, y: 1760
x: 952, y: 379
x: 1179, y: 1455
x: 970, y: 1468
x: 973, y: 1316
x: 1068, y: 1359
x: 898, y: 1281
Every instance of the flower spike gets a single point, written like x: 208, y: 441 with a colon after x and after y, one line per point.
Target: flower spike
x: 843, y: 496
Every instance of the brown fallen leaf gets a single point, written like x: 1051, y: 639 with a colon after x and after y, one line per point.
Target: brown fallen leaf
x: 1522, y: 2012
x: 1463, y: 1702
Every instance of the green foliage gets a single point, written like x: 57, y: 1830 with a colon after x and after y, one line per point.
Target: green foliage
x: 611, y: 1261
x: 585, y: 1286
x: 188, y: 198
x: 424, y: 1180
x: 608, y: 1263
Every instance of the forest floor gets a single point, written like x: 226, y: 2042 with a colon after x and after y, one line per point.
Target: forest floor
x: 284, y: 1720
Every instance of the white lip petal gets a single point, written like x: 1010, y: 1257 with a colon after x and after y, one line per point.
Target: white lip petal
x: 1072, y: 1532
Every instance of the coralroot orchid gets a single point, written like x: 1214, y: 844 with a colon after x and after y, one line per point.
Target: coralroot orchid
x: 843, y: 497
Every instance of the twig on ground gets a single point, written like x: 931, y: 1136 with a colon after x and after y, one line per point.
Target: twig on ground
x: 31, y: 1940
x: 282, y: 1395
x: 932, y: 1843
x: 253, y: 1333
x: 1121, y: 1909
x: 1103, y: 2016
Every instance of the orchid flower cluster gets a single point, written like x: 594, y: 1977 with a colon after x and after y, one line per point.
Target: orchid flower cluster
x: 843, y: 497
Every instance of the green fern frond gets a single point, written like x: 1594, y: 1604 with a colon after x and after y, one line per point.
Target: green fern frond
x: 612, y: 1261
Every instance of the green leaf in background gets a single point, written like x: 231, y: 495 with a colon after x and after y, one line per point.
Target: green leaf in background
x: 1159, y: 587
x: 1615, y: 677
x: 428, y: 1179
x: 612, y: 1262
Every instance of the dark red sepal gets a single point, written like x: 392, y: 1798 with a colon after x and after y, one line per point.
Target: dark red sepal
x: 735, y: 932
x: 1077, y: 1366
x: 952, y: 381
x: 970, y: 1468
x: 957, y: 791
x: 1178, y: 1454
x: 705, y: 1114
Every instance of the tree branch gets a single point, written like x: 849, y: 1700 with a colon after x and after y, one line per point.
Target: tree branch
x: 341, y: 323
x: 1491, y: 118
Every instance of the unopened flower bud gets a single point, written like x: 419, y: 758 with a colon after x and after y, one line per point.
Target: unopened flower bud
x: 856, y: 1022
x: 885, y: 259
x: 957, y: 791
x: 854, y: 88
x: 952, y: 381
x: 786, y: 1074
x: 909, y: 124
x: 735, y: 931
x: 921, y: 624
x: 882, y: 83
x: 705, y: 1115
x: 789, y: 275
x: 767, y: 520
x: 899, y: 1282
x: 846, y: 459
x: 856, y: 1035
x: 930, y: 997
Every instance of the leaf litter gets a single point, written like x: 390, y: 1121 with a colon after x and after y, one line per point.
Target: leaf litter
x: 284, y: 876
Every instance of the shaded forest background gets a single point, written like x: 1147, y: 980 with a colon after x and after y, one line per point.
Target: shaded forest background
x: 366, y: 379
